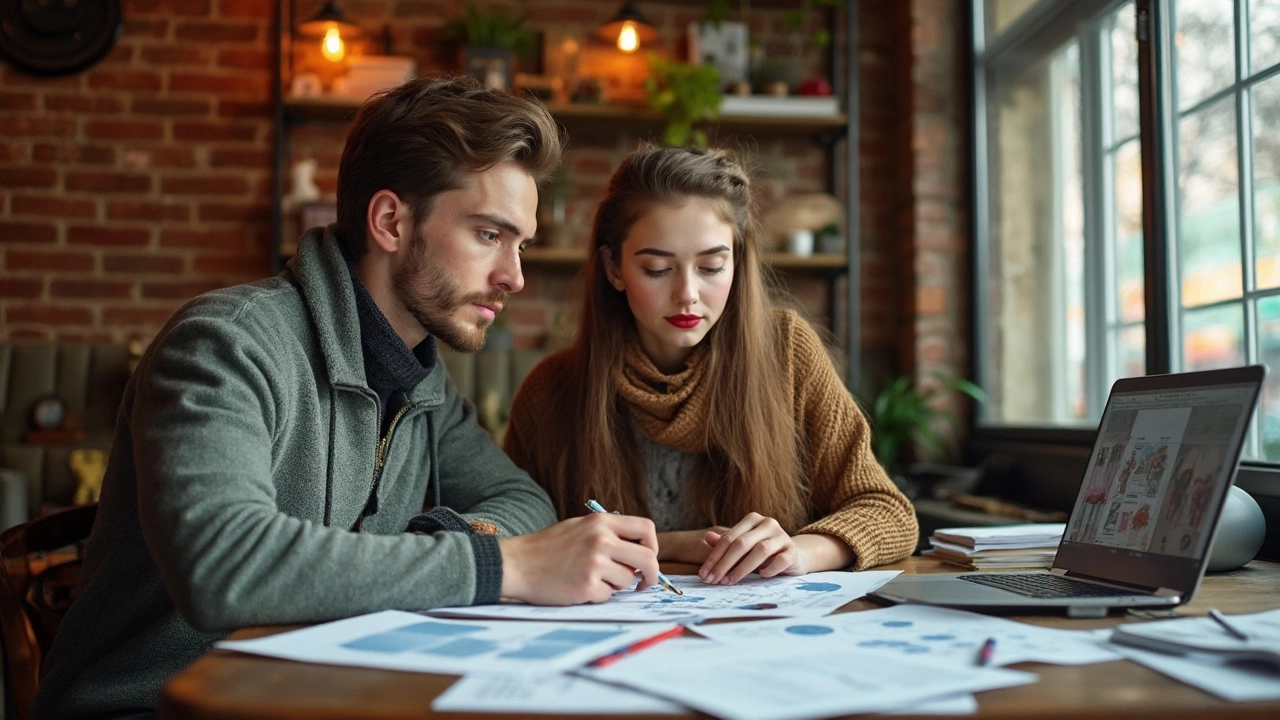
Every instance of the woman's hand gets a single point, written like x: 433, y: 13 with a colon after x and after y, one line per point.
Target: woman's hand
x: 687, y: 546
x: 756, y: 544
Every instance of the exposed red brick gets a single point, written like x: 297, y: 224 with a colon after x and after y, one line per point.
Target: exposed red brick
x: 130, y: 315
x: 149, y: 27
x: 74, y: 154
x: 204, y: 131
x: 235, y: 109
x: 227, y: 84
x: 216, y: 32
x: 245, y: 58
x: 85, y: 289
x: 245, y: 9
x: 177, y: 290
x: 53, y: 206
x: 177, y: 55
x: 49, y: 314
x: 36, y: 260
x: 204, y: 185
x: 12, y: 126
x: 250, y: 265
x: 222, y: 212
x: 108, y: 182
x: 124, y: 129
x: 28, y: 177
x: 96, y: 104
x: 167, y: 264
x: 27, y: 232
x: 20, y: 288
x: 121, y: 79
x: 161, y: 157
x: 199, y: 237
x: 101, y: 236
x: 195, y: 8
x: 166, y: 107
x: 17, y: 101
x: 142, y: 210
x: 236, y: 157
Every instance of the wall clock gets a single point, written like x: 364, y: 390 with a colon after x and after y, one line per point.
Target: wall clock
x: 57, y: 37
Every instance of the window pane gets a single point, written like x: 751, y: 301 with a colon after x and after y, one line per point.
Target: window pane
x: 1130, y: 352
x: 1264, y: 38
x: 1002, y: 13
x: 1269, y: 354
x: 1124, y: 74
x: 1208, y: 206
x: 1213, y: 338
x: 1127, y: 168
x: 1203, y: 48
x: 1266, y: 181
x: 1034, y: 352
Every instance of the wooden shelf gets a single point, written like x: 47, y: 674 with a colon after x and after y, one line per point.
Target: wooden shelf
x: 582, y: 114
x: 574, y: 257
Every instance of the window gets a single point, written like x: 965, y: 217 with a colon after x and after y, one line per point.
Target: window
x: 1062, y: 276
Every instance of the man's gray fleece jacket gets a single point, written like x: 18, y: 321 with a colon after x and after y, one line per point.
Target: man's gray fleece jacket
x: 245, y: 450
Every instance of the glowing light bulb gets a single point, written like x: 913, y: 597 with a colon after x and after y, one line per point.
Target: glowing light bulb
x: 628, y: 40
x: 332, y: 47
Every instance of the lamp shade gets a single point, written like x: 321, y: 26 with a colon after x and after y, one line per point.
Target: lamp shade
x: 629, y: 13
x: 330, y: 16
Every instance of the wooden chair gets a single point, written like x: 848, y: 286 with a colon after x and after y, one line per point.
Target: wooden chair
x: 39, y: 567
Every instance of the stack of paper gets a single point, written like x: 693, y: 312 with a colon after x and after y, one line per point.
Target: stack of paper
x: 1000, y: 547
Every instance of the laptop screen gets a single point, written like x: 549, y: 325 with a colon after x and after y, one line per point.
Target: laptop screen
x: 1166, y: 453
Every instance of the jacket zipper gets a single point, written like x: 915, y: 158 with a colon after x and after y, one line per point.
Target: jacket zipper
x: 379, y: 461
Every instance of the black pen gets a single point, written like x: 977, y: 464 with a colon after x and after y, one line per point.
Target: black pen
x: 1222, y: 620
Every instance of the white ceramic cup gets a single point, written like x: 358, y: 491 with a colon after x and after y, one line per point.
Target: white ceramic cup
x: 800, y: 242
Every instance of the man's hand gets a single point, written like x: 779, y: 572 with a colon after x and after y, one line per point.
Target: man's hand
x: 584, y: 559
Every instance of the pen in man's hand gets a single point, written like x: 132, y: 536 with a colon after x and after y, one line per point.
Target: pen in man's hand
x: 1221, y: 619
x: 986, y: 652
x: 596, y: 507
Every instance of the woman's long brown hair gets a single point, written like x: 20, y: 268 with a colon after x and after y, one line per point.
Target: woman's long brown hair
x: 754, y: 457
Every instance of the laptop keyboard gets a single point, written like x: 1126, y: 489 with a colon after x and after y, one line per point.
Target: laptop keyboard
x: 1041, y: 585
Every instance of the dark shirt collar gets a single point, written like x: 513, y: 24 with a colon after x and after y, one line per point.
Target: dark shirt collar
x: 389, y: 365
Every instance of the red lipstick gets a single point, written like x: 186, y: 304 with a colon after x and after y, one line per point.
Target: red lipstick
x: 684, y: 322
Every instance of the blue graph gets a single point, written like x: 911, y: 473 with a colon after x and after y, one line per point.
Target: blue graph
x: 809, y: 630
x: 818, y: 587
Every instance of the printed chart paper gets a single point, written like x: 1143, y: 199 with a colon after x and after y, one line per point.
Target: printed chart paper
x: 1234, y: 682
x: 794, y: 679
x: 932, y: 634
x: 548, y: 694
x: 397, y: 640
x: 812, y: 595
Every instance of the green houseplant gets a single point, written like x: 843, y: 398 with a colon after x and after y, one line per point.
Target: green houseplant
x: 488, y: 42
x: 905, y: 416
x: 685, y: 94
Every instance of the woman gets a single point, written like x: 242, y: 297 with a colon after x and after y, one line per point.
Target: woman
x: 688, y: 398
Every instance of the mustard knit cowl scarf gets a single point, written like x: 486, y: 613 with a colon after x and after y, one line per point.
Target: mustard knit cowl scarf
x: 670, y: 409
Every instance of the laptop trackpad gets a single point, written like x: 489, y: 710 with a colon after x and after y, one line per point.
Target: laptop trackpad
x: 944, y: 590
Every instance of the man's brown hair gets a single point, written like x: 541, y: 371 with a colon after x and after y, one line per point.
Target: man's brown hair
x: 421, y: 139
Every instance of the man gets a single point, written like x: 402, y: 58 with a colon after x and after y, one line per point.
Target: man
x: 279, y: 438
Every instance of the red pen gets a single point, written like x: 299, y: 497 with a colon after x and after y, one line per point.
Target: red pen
x: 986, y: 652
x: 635, y: 647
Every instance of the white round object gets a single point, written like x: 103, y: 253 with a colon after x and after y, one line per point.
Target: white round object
x: 1240, y: 532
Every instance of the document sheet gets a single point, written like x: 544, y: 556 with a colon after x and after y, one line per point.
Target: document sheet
x: 397, y: 640
x: 794, y: 679
x: 812, y: 595
x: 929, y: 633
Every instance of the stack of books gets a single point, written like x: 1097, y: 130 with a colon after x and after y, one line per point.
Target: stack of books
x: 1000, y: 547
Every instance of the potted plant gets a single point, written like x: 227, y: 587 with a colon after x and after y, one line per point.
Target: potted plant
x: 685, y: 94
x: 488, y: 42
x: 905, y: 417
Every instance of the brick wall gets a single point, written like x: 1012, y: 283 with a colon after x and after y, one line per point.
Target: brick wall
x: 132, y: 186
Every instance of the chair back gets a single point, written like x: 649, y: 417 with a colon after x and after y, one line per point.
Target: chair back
x: 39, y: 569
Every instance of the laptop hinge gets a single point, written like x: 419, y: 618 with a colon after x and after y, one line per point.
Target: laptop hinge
x: 1135, y: 589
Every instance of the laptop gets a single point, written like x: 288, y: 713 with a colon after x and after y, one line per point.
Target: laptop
x: 1139, y: 535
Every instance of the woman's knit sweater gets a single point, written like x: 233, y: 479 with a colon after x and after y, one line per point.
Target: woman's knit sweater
x: 852, y: 497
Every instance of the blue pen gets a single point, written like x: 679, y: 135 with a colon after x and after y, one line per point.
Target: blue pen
x: 594, y: 506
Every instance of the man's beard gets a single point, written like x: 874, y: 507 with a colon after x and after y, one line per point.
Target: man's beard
x: 432, y: 297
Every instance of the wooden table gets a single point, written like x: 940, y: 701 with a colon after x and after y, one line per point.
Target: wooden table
x: 224, y: 684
